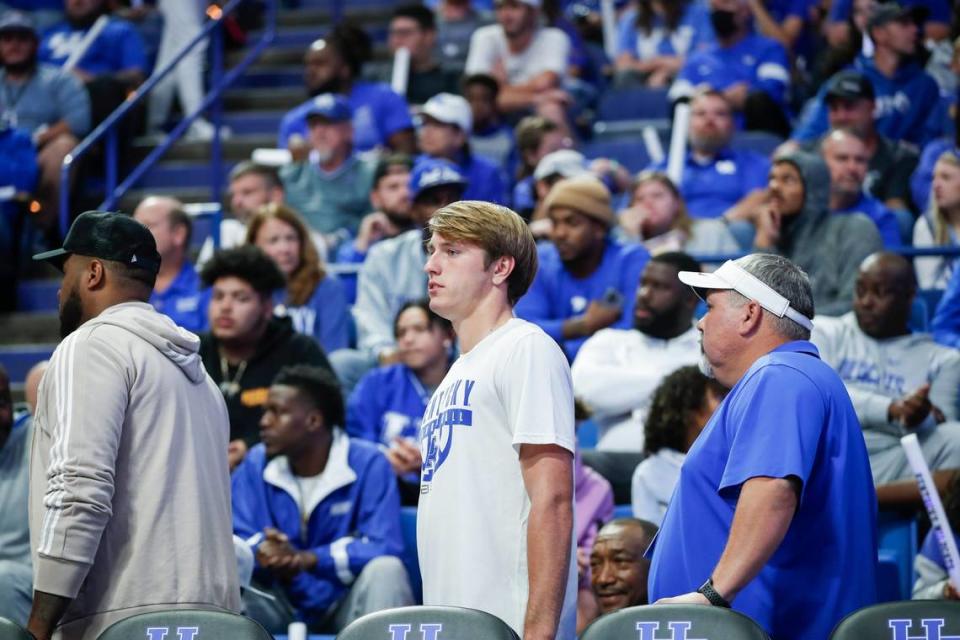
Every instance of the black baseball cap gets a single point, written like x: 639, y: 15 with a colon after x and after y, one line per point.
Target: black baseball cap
x: 892, y: 11
x: 850, y: 85
x: 108, y: 235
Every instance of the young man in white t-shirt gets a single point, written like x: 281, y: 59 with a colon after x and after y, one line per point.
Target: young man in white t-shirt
x: 495, y: 523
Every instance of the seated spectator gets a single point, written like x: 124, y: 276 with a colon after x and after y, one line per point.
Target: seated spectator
x: 846, y: 158
x: 930, y: 567
x: 654, y: 39
x: 751, y: 71
x: 536, y: 137
x: 388, y: 403
x: 850, y: 105
x: 946, y: 321
x: 617, y: 370
x: 787, y: 22
x: 718, y: 179
x: 393, y: 272
x: 113, y: 64
x: 320, y: 511
x: 16, y: 572
x: 552, y: 168
x: 252, y: 185
x: 177, y: 292
x: 313, y: 299
x: 47, y: 103
x: 413, y: 27
x: 246, y: 346
x: 586, y: 280
x: 529, y: 62
x: 456, y: 22
x: 333, y: 65
x: 593, y: 507
x: 940, y: 226
x: 922, y: 178
x: 331, y: 186
x: 18, y: 180
x: 445, y: 133
x: 657, y: 216
x: 933, y: 15
x: 680, y: 408
x: 45, y: 13
x: 618, y: 565
x: 900, y: 381
x: 795, y: 222
x: 908, y: 99
x: 492, y: 137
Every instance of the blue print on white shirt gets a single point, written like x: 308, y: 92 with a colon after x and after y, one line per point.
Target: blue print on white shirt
x: 449, y: 408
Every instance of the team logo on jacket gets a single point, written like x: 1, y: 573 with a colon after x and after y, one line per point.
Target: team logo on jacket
x: 930, y: 629
x: 449, y: 408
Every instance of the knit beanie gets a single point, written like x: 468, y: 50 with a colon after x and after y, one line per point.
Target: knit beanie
x: 585, y: 194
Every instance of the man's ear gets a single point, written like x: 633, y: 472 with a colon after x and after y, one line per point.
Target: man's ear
x: 315, y: 421
x: 502, y: 268
x: 751, y: 315
x: 94, y: 274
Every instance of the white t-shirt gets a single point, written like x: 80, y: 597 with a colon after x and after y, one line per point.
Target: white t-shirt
x: 652, y: 484
x: 548, y: 51
x: 512, y: 388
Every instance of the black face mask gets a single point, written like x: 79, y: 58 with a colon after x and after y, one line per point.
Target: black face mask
x: 724, y: 23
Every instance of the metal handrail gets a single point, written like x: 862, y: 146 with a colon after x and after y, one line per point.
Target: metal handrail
x: 108, y: 128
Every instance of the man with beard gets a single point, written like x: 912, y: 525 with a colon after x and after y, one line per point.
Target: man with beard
x: 16, y: 575
x: 586, y: 281
x: 617, y: 370
x: 900, y: 381
x: 718, y: 179
x: 333, y: 65
x: 780, y: 463
x: 752, y: 71
x: 39, y: 98
x: 246, y: 346
x: 128, y: 449
x: 617, y: 566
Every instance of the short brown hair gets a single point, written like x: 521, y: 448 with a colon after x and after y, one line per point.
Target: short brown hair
x: 497, y: 230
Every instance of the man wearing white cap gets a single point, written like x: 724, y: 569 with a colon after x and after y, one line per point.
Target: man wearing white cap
x: 528, y: 61
x: 779, y: 467
x: 446, y: 124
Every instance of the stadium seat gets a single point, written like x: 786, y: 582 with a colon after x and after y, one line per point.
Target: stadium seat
x: 633, y: 103
x: 617, y: 467
x: 674, y: 620
x: 622, y: 511
x: 196, y: 624
x: 897, y: 535
x: 628, y: 150
x: 425, y: 622
x: 408, y: 526
x: 901, y: 620
x: 10, y: 630
x: 760, y: 141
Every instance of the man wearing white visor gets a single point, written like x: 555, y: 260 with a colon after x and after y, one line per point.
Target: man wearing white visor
x: 780, y: 467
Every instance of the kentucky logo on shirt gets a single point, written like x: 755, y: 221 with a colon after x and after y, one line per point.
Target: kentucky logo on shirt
x: 449, y: 408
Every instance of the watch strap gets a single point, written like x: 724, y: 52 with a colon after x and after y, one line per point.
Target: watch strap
x: 712, y: 595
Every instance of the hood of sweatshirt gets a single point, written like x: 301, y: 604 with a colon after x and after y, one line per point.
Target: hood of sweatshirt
x: 797, y: 230
x: 176, y: 343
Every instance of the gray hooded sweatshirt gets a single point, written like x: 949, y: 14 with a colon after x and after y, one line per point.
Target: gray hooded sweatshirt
x: 129, y: 486
x: 829, y: 247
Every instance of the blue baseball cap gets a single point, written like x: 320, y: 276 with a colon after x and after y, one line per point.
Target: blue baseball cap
x: 330, y: 106
x: 434, y: 172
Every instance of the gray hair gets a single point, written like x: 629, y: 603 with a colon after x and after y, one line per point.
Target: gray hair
x: 788, y: 280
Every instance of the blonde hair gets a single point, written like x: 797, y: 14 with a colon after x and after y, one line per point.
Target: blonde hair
x: 683, y: 221
x: 497, y: 230
x: 309, y: 272
x: 941, y: 226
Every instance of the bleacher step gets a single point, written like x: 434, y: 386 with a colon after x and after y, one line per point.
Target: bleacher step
x: 235, y: 148
x: 30, y: 327
x: 282, y: 98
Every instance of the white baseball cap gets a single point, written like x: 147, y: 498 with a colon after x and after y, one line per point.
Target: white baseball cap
x: 730, y: 275
x: 566, y: 162
x: 450, y: 109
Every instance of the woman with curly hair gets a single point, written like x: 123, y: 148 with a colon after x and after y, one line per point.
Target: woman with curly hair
x: 681, y: 407
x: 313, y: 299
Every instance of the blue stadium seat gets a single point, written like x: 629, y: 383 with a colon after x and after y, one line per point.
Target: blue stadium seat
x: 633, y: 103
x: 627, y: 150
x: 205, y: 625
x: 901, y: 620
x: 622, y: 511
x: 759, y: 141
x: 919, y: 315
x: 672, y: 620
x: 408, y: 526
x: 897, y: 540
x: 426, y: 622
x: 930, y: 297
x: 10, y: 630
x: 587, y: 434
x: 18, y: 359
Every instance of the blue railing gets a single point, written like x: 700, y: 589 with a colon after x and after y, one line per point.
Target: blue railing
x: 212, y: 102
x: 907, y: 252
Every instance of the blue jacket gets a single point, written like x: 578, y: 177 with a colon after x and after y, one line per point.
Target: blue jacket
x: 946, y: 320
x: 354, y: 517
x: 386, y: 403
x: 556, y: 296
x: 883, y: 217
x: 908, y: 105
x: 324, y: 317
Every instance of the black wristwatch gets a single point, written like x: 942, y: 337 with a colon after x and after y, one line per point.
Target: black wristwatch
x: 711, y: 594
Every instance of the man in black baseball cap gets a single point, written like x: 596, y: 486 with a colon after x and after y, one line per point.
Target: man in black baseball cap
x: 107, y: 258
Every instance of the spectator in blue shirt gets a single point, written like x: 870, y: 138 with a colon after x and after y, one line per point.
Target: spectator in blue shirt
x: 586, y: 280
x: 752, y: 71
x: 936, y: 19
x: 922, y: 177
x: 654, y: 39
x: 492, y: 137
x: 908, y: 105
x: 786, y: 21
x: 846, y: 158
x: 177, y: 292
x: 444, y: 133
x: 536, y: 138
x: 319, y: 510
x: 946, y: 320
x: 333, y: 65
x: 718, y: 179
x: 313, y: 299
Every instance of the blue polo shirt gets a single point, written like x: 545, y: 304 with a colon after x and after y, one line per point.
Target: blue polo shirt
x: 789, y: 415
x: 184, y: 301
x: 711, y: 188
x: 883, y: 217
x: 378, y: 113
x: 119, y: 47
